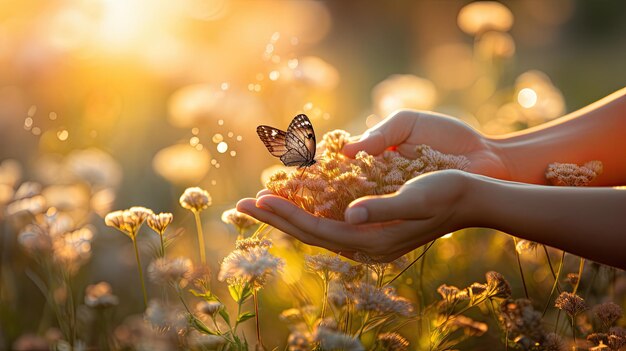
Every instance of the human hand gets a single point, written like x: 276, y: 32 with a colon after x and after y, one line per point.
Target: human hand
x: 406, y: 129
x: 382, y: 227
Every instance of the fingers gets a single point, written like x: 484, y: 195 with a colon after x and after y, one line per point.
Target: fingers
x: 405, y: 204
x: 340, y: 234
x: 263, y: 192
x: 248, y: 206
x: 391, y: 131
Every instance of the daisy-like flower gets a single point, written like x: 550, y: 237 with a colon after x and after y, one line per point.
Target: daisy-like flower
x: 175, y: 271
x: 100, y: 296
x: 239, y: 220
x: 195, y: 199
x: 159, y: 222
x: 393, y: 342
x: 572, y: 304
x: 253, y: 266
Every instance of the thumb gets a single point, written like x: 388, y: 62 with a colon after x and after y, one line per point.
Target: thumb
x: 391, y: 131
x: 407, y: 203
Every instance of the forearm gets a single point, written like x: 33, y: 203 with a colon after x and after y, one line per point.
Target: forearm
x: 589, y: 222
x: 596, y: 132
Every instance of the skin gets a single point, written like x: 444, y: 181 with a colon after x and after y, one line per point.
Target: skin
x: 504, y: 188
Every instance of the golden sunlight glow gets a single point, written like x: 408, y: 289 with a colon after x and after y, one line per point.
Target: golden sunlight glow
x: 527, y: 98
x: 480, y: 16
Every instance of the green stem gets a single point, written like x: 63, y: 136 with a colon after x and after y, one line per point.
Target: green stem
x: 580, y: 274
x: 554, y: 286
x: 519, y: 265
x: 143, y: 284
x: 162, y: 245
x: 200, y: 236
x: 256, y: 317
x: 412, y: 263
x: 325, y: 298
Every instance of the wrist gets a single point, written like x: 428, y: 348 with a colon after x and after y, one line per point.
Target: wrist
x: 474, y: 207
x: 499, y: 148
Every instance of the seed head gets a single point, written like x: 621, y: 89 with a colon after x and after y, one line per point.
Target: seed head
x: 195, y: 199
x: 572, y: 304
x: 159, y: 222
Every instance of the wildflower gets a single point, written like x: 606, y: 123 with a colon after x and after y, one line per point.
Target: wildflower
x: 253, y: 266
x: 126, y: 221
x: 448, y: 293
x: 367, y: 297
x: 300, y: 340
x: 164, y: 318
x: 201, y: 277
x: 100, y: 296
x: 617, y: 338
x: 73, y: 249
x: 195, y: 199
x: 334, y: 340
x: 159, y: 222
x: 569, y: 174
x: 239, y: 220
x: 249, y: 243
x: 175, y: 271
x: 291, y: 316
x: 598, y: 338
x: 497, y: 286
x: 393, y: 342
x: 35, y: 241
x: 326, y: 266
x: 553, y: 342
x: 608, y: 313
x: 210, y: 308
x: 519, y: 318
x: 335, y: 180
x: 337, y: 294
x: 572, y: 278
x: 469, y: 326
x: 570, y: 303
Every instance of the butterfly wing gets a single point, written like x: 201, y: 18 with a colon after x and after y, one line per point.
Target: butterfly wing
x: 274, y: 140
x: 301, y: 137
x: 296, y: 147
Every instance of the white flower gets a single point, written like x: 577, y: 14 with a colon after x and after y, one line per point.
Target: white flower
x: 253, y: 266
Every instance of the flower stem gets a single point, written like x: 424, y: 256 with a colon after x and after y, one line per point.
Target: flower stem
x: 325, y: 298
x: 256, y: 317
x: 162, y: 246
x: 196, y: 215
x: 519, y: 264
x: 143, y: 284
x: 411, y: 264
x: 580, y: 274
x: 574, y: 334
x: 555, y: 285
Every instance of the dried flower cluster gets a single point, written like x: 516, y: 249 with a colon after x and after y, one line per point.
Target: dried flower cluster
x: 570, y: 174
x: 329, y: 186
x: 195, y: 199
x: 240, y: 221
x: 571, y: 303
x: 252, y: 265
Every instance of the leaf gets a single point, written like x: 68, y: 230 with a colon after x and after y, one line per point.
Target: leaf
x: 246, y: 293
x: 225, y: 316
x: 200, y: 326
x: 244, y: 317
x: 235, y: 292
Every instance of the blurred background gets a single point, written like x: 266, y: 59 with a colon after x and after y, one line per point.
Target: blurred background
x: 139, y: 99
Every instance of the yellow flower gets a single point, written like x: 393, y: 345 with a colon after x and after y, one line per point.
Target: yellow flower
x: 159, y: 222
x: 195, y: 199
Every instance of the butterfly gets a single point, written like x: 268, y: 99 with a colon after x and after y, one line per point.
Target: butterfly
x: 296, y: 146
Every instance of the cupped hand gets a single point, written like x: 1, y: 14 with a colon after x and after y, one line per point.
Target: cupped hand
x: 406, y: 129
x: 382, y: 227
